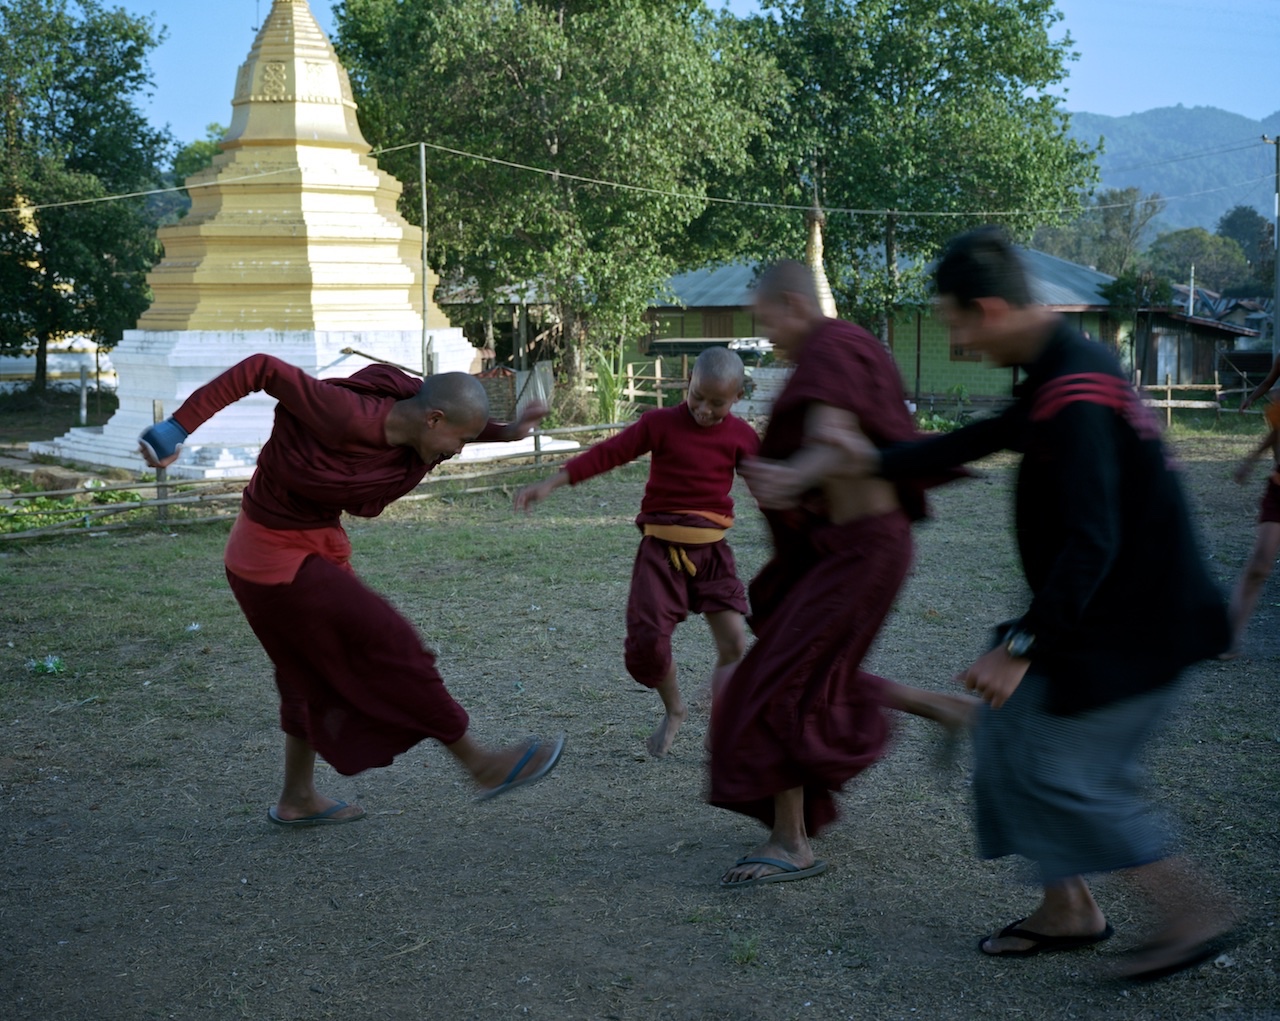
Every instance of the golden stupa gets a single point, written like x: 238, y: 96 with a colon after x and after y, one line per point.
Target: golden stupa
x: 813, y: 258
x: 293, y: 227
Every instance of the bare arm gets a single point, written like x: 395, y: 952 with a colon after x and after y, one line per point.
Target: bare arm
x: 1264, y: 386
x: 1270, y: 442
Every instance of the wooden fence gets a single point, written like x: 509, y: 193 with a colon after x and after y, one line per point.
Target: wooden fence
x: 91, y: 518
x: 646, y: 382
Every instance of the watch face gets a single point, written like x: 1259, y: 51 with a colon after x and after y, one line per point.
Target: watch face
x: 1020, y: 643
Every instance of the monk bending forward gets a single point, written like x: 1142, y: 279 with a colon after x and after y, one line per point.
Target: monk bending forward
x: 356, y: 683
x: 799, y: 717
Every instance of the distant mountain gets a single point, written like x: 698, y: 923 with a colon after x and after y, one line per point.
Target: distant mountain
x: 1202, y: 160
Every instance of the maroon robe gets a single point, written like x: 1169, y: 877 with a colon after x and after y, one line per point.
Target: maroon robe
x: 799, y: 711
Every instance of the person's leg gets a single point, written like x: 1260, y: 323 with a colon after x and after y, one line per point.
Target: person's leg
x: 1067, y: 910
x: 657, y: 602
x: 299, y: 797
x: 729, y: 631
x: 1193, y: 913
x: 1266, y: 546
x: 659, y: 742
x: 788, y: 841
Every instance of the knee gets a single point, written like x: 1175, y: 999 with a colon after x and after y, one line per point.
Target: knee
x: 648, y: 656
x: 1258, y: 569
x: 732, y: 648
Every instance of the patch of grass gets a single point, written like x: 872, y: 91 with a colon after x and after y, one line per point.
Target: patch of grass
x: 26, y: 416
x: 744, y: 951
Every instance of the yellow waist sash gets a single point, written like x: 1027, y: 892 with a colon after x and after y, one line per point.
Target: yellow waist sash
x: 688, y: 535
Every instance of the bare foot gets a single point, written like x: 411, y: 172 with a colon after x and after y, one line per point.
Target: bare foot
x: 317, y: 807
x: 659, y: 742
x: 1175, y: 947
x: 801, y: 857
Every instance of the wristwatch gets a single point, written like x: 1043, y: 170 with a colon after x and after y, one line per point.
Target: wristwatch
x: 1020, y: 643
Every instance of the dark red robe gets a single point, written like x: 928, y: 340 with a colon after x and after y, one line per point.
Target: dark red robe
x: 799, y: 711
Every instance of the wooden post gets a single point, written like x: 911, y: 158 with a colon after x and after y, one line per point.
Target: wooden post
x: 631, y: 381
x: 162, y: 474
x: 1217, y: 396
x: 684, y: 368
x: 657, y: 378
x: 1168, y: 396
x: 84, y: 395
x: 537, y: 444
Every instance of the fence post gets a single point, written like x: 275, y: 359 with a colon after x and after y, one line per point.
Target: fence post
x: 657, y: 378
x: 84, y: 395
x: 1217, y: 397
x: 631, y: 381
x: 537, y: 444
x: 1168, y: 396
x: 162, y: 474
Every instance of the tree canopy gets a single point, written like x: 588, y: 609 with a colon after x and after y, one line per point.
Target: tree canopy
x: 649, y: 93
x: 927, y: 118
x: 69, y: 132
x: 1218, y: 262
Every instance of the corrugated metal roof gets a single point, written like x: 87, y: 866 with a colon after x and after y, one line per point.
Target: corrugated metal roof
x: 1054, y: 282
x: 1058, y: 283
x: 713, y: 287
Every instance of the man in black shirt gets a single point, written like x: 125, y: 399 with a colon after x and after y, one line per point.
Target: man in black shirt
x: 1121, y: 603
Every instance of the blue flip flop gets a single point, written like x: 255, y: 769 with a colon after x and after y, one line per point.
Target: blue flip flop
x: 790, y: 872
x: 325, y: 818
x: 514, y: 779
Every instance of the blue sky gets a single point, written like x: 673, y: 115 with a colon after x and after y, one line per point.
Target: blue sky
x: 1134, y: 55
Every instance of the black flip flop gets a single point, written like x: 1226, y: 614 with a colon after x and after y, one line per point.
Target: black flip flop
x: 1042, y: 944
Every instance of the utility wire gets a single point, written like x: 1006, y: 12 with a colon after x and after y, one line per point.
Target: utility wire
x: 685, y: 196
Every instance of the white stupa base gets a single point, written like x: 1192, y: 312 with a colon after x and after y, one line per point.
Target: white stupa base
x: 167, y: 366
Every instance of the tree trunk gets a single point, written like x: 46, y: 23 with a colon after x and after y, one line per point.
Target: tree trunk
x: 891, y: 276
x: 41, y: 380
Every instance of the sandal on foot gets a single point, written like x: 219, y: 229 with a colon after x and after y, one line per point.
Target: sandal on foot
x: 1189, y: 958
x: 514, y: 779
x: 789, y: 872
x: 325, y: 818
x: 1041, y: 943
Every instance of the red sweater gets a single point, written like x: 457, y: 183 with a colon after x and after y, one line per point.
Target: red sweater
x: 692, y: 466
x: 328, y: 451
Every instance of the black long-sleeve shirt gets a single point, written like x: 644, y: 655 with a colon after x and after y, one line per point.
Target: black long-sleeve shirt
x: 1121, y: 599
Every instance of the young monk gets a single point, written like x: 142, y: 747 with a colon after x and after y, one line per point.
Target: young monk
x: 356, y: 684
x: 1266, y: 544
x: 799, y: 717
x: 683, y: 564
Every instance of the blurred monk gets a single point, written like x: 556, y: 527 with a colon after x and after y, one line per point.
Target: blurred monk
x: 799, y: 717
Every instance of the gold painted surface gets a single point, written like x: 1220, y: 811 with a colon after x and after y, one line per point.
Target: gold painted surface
x: 294, y: 226
x: 813, y: 258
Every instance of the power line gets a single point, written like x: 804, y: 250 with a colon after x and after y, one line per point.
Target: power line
x: 685, y: 196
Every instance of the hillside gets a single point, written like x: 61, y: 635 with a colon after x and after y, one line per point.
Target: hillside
x: 1201, y: 159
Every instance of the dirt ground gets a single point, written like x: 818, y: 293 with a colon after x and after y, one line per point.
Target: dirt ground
x: 141, y: 878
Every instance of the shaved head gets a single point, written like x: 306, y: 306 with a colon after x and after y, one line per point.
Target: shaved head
x: 719, y: 365
x: 461, y: 397
x: 787, y: 277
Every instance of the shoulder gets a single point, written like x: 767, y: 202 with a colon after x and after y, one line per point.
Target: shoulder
x: 380, y: 381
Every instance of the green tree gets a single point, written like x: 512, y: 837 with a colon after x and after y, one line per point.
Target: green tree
x: 1255, y: 235
x: 646, y: 92
x: 69, y: 132
x: 1219, y: 262
x: 942, y: 115
x: 1109, y: 235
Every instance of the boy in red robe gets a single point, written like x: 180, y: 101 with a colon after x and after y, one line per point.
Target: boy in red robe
x: 356, y: 684
x: 799, y: 717
x: 683, y: 564
x: 1266, y: 545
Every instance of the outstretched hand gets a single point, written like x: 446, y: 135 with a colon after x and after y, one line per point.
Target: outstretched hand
x: 995, y: 676
x: 152, y: 462
x: 527, y: 496
x: 534, y: 412
x: 1241, y: 474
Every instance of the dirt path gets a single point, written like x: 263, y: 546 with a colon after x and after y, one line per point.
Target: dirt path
x: 141, y: 878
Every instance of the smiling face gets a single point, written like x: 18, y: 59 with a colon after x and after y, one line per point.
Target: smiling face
x: 710, y: 399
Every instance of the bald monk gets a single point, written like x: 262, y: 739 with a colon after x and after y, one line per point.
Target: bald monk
x: 683, y: 565
x: 356, y: 684
x: 799, y: 717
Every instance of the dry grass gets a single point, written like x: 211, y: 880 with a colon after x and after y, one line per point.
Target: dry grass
x: 142, y: 880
